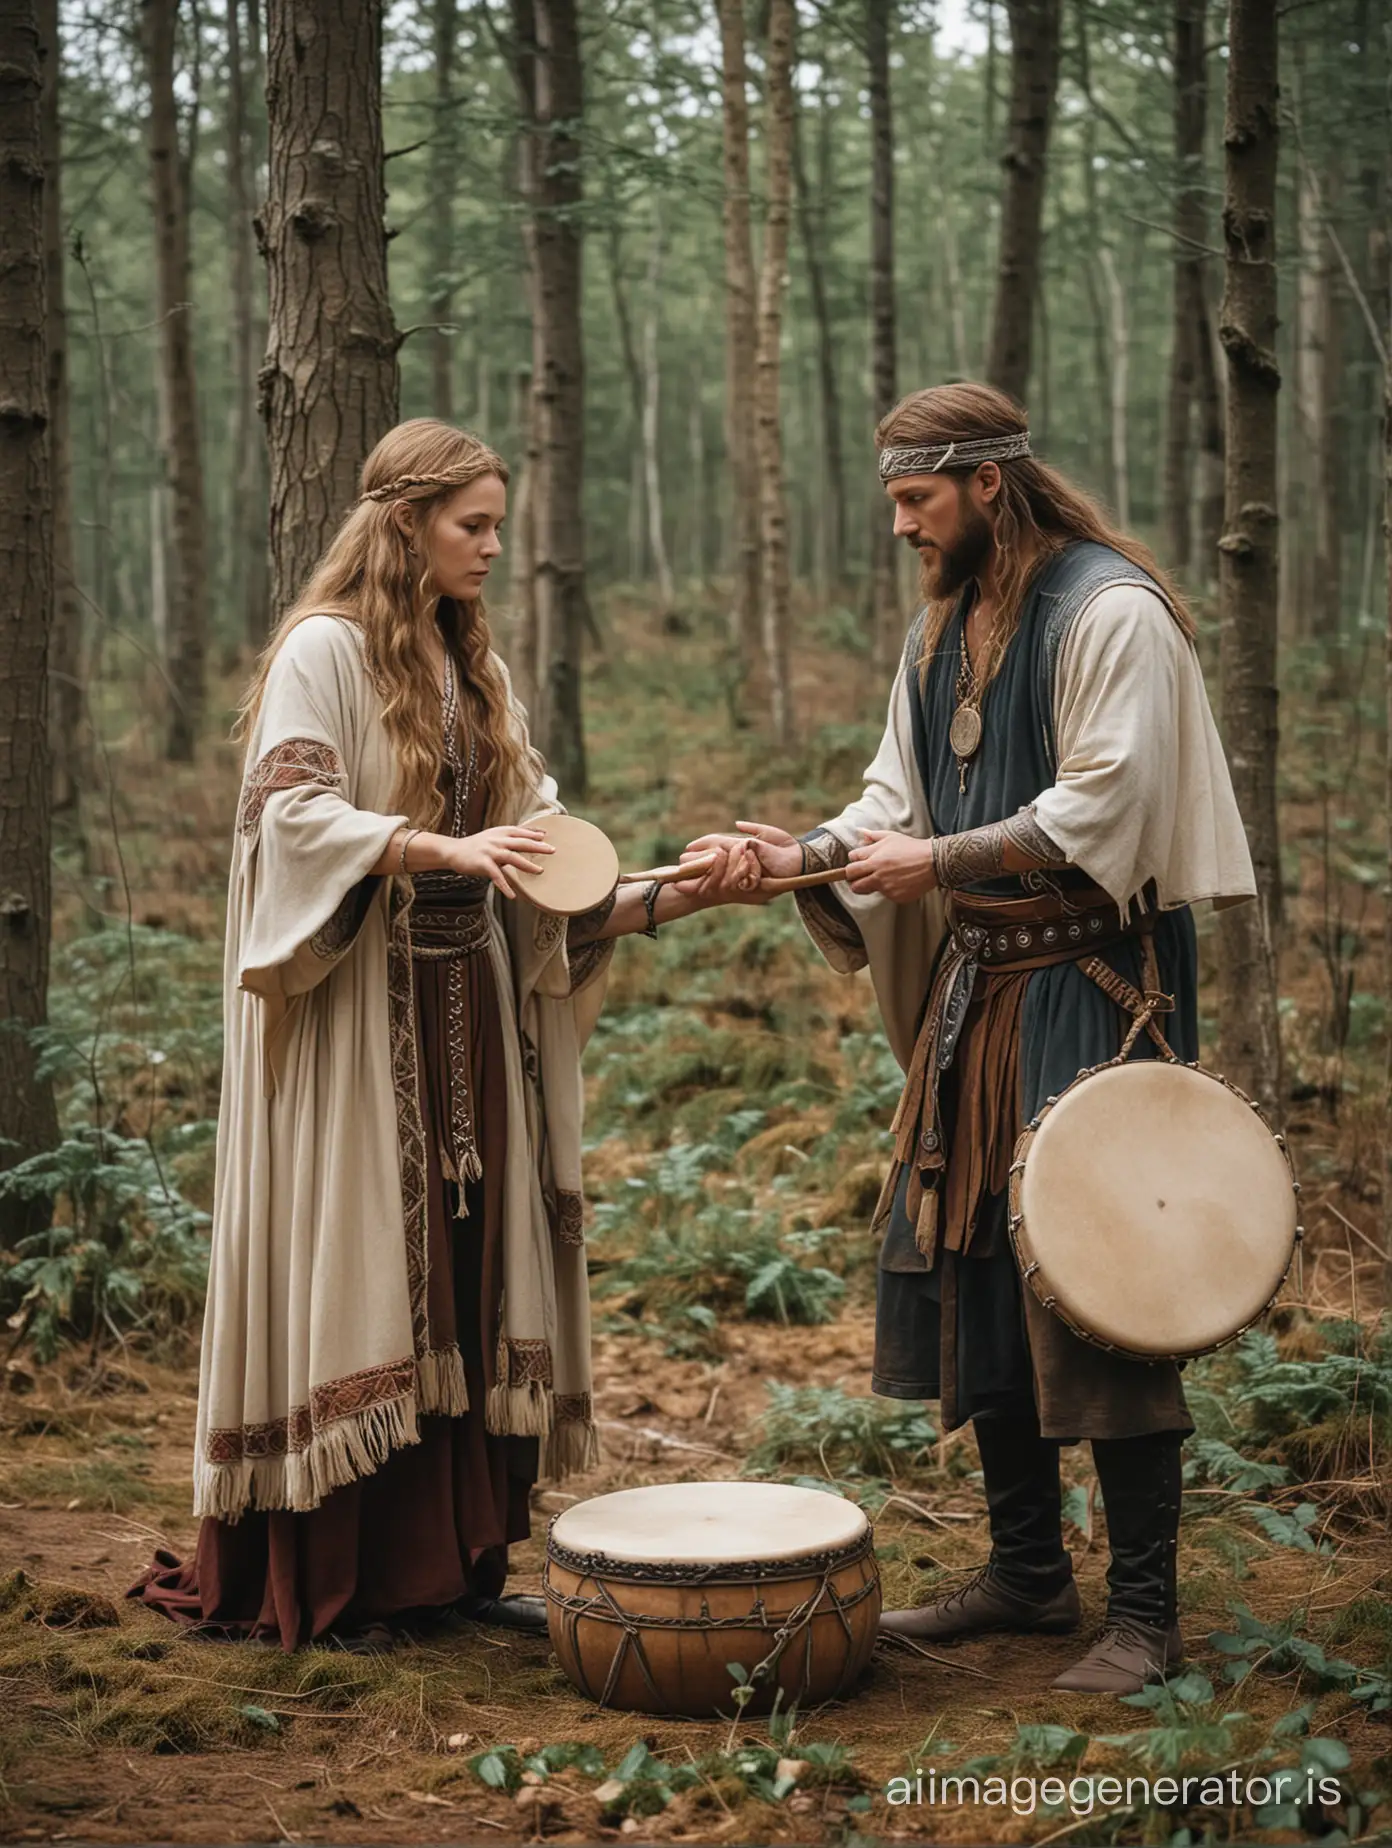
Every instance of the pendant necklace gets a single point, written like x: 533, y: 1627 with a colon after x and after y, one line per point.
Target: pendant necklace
x: 964, y: 733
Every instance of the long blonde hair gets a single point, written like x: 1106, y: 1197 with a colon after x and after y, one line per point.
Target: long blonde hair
x: 1038, y: 511
x: 369, y: 576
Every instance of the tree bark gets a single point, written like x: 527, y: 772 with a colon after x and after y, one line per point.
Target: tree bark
x: 443, y: 179
x: 1120, y: 347
x: 1310, y: 528
x: 329, y: 382
x: 69, y: 740
x: 832, y: 512
x: 1208, y: 529
x: 1187, y: 285
x: 186, y: 567
x: 28, y: 1119
x: 633, y: 372
x: 775, y: 588
x: 1034, y: 64
x: 558, y: 385
x: 248, y: 560
x: 740, y: 337
x: 884, y: 602
x: 1248, y: 571
x: 652, y: 382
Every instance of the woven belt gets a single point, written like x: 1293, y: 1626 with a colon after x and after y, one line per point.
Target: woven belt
x: 443, y: 933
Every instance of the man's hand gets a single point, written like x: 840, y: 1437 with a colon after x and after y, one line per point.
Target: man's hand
x: 896, y: 866
x: 779, y: 855
x: 733, y: 880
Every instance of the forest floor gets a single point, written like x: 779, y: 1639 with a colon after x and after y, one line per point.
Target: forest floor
x: 739, y: 1096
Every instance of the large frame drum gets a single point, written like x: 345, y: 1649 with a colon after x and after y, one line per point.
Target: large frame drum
x: 1153, y: 1210
x: 651, y: 1593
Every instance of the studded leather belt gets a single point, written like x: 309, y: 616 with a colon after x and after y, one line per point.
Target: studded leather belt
x: 1038, y: 929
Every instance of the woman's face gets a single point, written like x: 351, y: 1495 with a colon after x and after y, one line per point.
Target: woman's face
x: 466, y: 536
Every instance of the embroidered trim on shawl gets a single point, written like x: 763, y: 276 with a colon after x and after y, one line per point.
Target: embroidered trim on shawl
x: 523, y: 1362
x: 568, y: 1219
x: 586, y: 952
x: 285, y: 766
x: 573, y: 1407
x: 336, y: 1399
x: 549, y: 931
x: 338, y: 932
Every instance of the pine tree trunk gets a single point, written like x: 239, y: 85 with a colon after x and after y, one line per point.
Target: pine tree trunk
x: 884, y: 602
x: 831, y: 514
x: 559, y: 388
x: 444, y: 177
x: 1120, y: 348
x: 1191, y: 230
x: 248, y: 561
x: 652, y: 465
x: 329, y: 383
x: 1248, y: 570
x: 1208, y: 528
x: 69, y: 739
x: 523, y: 654
x: 1034, y: 64
x: 740, y: 336
x: 28, y: 1119
x: 633, y: 373
x: 775, y: 588
x: 186, y: 566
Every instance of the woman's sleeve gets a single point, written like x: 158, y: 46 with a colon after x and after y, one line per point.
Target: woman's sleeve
x: 306, y: 850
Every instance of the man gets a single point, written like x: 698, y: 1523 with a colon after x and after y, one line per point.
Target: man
x: 1050, y: 762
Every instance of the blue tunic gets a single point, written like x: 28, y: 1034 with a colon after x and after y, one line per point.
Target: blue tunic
x: 1003, y: 1347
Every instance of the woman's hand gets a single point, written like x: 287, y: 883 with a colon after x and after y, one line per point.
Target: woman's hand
x: 490, y: 854
x: 732, y: 880
x: 896, y: 866
x: 779, y: 854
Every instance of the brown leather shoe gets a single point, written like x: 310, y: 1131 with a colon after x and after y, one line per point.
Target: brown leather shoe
x: 983, y: 1605
x: 1124, y: 1658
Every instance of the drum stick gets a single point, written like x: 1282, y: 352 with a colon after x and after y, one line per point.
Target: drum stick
x: 664, y: 875
x: 829, y: 875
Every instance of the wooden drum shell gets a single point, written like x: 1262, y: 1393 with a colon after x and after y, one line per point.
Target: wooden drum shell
x: 657, y: 1638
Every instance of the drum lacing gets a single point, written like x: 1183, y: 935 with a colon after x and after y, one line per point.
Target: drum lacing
x: 604, y: 1608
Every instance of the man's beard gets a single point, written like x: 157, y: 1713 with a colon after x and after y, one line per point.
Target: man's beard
x: 946, y: 569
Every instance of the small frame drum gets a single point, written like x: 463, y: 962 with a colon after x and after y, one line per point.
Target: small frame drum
x: 652, y: 1593
x: 579, y: 875
x: 1153, y: 1210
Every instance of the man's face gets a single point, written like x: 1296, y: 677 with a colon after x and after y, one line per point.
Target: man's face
x: 944, y: 518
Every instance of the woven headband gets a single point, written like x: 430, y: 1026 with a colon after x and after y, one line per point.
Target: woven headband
x: 395, y: 489
x: 1006, y: 448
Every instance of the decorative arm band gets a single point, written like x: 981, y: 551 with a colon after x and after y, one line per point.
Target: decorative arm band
x: 960, y: 859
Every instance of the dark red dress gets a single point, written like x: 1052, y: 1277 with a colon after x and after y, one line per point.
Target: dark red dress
x: 434, y: 1522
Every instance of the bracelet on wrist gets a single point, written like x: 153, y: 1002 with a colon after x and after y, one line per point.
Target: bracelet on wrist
x: 411, y: 834
x: 650, y: 893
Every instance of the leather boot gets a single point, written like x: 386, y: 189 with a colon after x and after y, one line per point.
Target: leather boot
x: 1028, y: 1582
x: 1140, y: 1479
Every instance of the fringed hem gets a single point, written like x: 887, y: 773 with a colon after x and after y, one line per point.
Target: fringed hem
x: 337, y: 1454
x: 572, y: 1447
x: 440, y: 1384
x: 519, y: 1411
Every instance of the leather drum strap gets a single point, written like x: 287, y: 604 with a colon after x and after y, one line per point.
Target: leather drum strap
x: 1142, y: 1006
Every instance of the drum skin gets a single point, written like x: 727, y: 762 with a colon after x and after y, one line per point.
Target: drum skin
x: 1153, y: 1210
x: 656, y: 1635
x: 582, y: 871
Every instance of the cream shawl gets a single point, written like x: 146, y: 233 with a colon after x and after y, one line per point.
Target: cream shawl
x: 316, y: 1358
x: 1142, y: 793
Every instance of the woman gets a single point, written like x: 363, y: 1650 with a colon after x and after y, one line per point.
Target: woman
x: 396, y: 1340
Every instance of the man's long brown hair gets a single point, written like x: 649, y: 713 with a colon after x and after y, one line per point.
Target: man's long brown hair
x: 1038, y: 512
x: 369, y: 576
